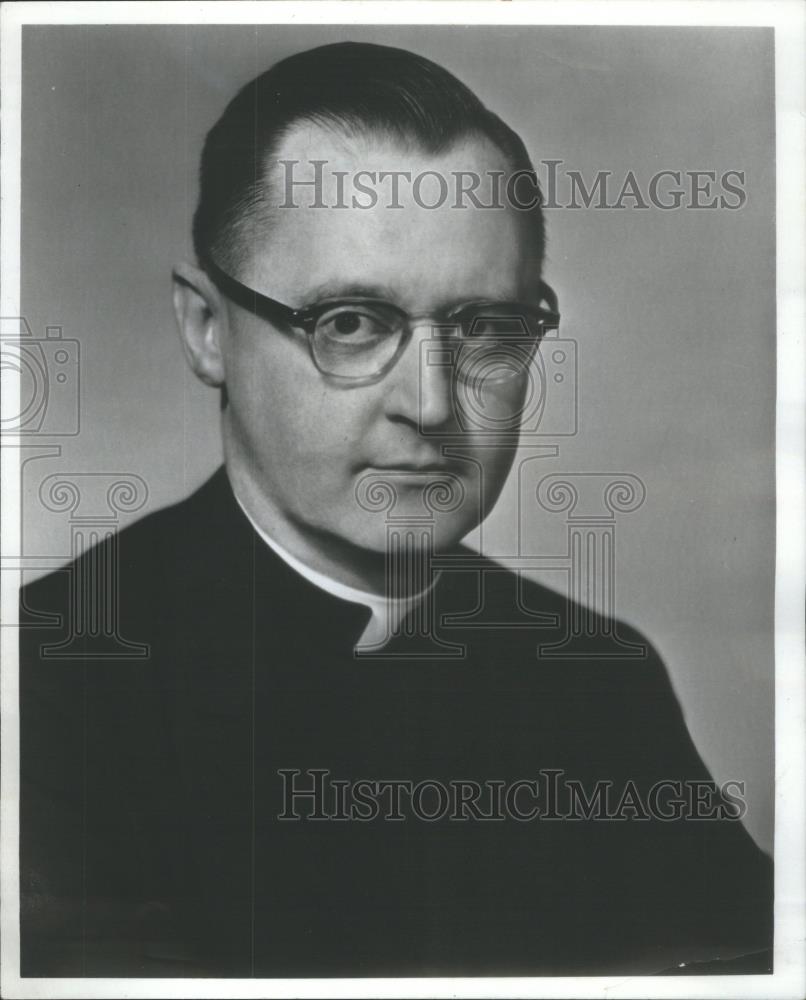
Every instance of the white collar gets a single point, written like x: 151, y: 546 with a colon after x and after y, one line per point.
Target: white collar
x: 387, y: 612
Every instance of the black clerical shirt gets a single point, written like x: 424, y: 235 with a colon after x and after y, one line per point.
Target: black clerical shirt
x: 166, y: 829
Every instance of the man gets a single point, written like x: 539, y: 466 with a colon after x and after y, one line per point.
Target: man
x: 328, y: 762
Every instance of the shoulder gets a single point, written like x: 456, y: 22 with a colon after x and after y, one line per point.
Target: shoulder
x: 101, y: 640
x: 112, y: 625
x: 501, y: 588
x: 138, y: 561
x: 576, y: 646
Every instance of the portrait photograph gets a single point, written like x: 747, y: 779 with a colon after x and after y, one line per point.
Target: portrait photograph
x: 402, y: 448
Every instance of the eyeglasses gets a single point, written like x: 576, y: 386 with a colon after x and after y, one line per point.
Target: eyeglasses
x: 357, y: 341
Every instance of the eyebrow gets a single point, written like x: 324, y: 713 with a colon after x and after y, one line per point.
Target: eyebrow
x: 351, y: 290
x: 359, y: 290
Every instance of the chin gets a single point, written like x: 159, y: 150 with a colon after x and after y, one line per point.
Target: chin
x: 408, y: 531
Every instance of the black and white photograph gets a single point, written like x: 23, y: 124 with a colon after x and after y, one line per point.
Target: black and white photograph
x: 403, y: 545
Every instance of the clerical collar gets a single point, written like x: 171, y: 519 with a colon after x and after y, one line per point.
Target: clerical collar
x: 387, y: 612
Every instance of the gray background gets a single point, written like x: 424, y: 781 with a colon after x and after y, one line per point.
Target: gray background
x: 673, y: 312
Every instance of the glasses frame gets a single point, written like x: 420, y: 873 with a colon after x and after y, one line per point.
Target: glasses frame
x: 305, y: 318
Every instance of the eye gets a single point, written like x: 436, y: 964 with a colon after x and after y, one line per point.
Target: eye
x: 347, y: 322
x: 354, y: 325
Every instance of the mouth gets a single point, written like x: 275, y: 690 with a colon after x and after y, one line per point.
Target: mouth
x: 414, y: 467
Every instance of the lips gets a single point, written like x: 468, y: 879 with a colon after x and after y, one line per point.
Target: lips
x: 433, y: 467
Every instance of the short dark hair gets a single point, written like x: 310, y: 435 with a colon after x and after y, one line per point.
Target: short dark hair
x: 355, y: 86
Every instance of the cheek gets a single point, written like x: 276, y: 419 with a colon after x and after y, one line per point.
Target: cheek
x: 504, y: 458
x: 263, y: 406
x: 488, y: 404
x: 495, y: 460
x: 491, y: 419
x: 292, y: 418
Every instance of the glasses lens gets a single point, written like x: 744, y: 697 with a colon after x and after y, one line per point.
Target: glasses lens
x: 494, y: 361
x: 498, y: 345
x: 356, y: 340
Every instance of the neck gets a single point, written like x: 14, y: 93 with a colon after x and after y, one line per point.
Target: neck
x: 319, y: 550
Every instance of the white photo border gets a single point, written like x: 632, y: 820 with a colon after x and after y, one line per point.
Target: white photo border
x: 788, y: 18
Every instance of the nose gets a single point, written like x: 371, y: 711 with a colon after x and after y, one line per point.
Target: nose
x: 420, y: 386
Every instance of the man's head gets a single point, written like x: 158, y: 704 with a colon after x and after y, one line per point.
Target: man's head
x: 303, y: 447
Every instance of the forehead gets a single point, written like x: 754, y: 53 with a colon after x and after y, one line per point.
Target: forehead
x: 388, y: 214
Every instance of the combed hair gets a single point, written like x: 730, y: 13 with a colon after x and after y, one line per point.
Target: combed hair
x: 354, y: 86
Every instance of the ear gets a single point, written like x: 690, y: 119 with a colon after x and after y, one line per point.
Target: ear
x: 201, y: 317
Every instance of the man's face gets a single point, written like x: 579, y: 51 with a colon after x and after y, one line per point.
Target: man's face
x: 316, y: 451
